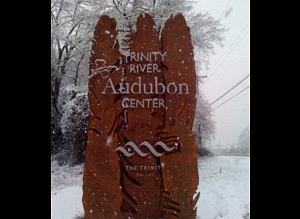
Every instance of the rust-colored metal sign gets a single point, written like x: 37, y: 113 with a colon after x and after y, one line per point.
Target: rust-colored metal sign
x: 141, y: 157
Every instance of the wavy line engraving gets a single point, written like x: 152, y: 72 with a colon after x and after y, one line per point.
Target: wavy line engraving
x: 150, y: 147
x: 146, y: 144
x: 123, y: 150
x: 164, y: 146
x: 137, y: 150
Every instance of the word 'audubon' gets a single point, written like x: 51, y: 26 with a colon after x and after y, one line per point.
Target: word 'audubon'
x: 144, y: 88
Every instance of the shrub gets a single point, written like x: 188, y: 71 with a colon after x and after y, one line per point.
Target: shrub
x: 73, y: 125
x: 204, y: 152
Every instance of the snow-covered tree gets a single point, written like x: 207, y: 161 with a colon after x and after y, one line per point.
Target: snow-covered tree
x: 244, y: 141
x: 72, y: 26
x: 204, y: 125
x: 73, y: 125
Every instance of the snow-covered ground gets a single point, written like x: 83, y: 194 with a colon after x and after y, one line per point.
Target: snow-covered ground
x: 224, y: 187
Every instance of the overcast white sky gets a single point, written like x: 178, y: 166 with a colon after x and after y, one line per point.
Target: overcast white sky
x: 228, y: 67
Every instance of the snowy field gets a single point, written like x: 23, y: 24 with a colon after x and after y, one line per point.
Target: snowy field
x: 224, y: 187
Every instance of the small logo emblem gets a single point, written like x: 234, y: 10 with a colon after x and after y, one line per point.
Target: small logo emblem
x: 146, y: 144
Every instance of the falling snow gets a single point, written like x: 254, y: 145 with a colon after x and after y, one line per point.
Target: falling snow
x: 109, y: 140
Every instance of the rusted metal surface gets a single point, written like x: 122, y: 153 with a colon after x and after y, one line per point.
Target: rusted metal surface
x: 157, y: 183
x: 101, y: 179
x: 180, y: 173
x: 141, y: 126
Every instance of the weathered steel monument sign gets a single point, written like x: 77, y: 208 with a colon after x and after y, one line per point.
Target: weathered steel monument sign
x: 141, y: 157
